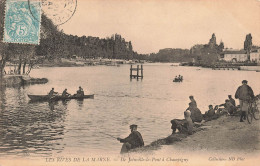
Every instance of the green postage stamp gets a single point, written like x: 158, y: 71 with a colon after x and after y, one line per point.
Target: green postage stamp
x: 22, y: 22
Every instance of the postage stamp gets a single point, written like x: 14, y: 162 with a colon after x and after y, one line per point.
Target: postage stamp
x: 20, y: 25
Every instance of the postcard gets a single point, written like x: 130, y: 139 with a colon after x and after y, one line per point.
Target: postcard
x: 129, y: 82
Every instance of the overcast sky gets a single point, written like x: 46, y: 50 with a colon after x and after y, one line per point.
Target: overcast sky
x: 155, y: 24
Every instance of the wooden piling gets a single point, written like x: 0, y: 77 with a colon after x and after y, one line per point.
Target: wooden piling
x: 137, y: 72
x: 131, y: 73
x: 142, y: 71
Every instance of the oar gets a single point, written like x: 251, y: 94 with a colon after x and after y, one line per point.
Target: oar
x: 108, y: 135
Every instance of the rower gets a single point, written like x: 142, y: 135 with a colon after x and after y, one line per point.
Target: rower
x: 65, y: 93
x: 52, y: 92
x: 80, y: 92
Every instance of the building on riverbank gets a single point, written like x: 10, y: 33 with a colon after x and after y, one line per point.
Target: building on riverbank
x: 234, y: 56
x: 255, y: 56
x: 240, y: 56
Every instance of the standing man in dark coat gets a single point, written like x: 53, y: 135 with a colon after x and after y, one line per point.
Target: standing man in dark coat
x: 244, y: 93
x: 134, y: 140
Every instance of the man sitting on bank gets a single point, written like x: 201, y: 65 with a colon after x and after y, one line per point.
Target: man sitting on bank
x: 196, y: 115
x: 229, y: 107
x: 211, y: 113
x: 232, y: 100
x: 185, y: 126
x: 134, y: 140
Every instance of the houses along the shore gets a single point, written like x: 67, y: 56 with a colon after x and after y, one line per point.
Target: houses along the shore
x: 240, y: 56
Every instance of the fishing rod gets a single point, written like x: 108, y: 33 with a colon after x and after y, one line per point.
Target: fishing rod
x: 108, y: 135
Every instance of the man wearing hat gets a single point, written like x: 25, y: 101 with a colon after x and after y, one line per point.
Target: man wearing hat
x: 244, y: 93
x: 134, y: 140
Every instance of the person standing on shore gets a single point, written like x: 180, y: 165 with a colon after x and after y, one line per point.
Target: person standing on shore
x: 134, y: 140
x: 244, y: 93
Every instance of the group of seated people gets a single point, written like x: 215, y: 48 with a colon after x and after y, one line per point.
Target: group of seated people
x: 79, y: 93
x: 193, y: 115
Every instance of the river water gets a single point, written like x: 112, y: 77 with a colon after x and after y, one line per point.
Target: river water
x: 43, y: 129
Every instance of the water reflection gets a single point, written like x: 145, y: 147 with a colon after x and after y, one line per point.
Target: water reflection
x: 65, y: 103
x: 25, y: 127
x: 52, y: 104
x: 80, y: 103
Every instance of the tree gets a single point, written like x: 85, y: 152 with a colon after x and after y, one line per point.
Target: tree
x: 3, y: 55
x: 221, y: 47
x: 21, y: 52
x: 248, y: 45
x: 212, y: 41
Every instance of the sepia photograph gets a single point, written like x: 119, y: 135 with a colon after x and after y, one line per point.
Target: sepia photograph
x: 129, y: 82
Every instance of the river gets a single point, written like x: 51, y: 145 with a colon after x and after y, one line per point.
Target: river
x: 44, y: 129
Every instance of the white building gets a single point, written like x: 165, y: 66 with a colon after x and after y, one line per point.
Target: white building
x: 234, y: 56
x: 255, y: 56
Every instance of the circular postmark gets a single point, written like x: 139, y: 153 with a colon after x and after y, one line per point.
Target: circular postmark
x: 59, y: 11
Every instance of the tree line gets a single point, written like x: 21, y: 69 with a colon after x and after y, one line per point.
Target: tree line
x: 55, y: 44
x: 200, y: 54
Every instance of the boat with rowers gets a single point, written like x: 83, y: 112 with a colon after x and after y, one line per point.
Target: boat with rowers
x: 58, y: 97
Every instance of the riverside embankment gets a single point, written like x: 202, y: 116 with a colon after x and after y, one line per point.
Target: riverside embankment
x: 20, y: 80
x: 214, y: 140
x: 223, y: 134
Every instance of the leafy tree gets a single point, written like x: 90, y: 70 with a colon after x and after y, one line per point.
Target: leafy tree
x: 3, y: 46
x: 248, y: 45
x: 212, y: 41
x: 221, y: 47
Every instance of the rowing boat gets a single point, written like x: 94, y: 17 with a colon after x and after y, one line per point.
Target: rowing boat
x: 55, y: 98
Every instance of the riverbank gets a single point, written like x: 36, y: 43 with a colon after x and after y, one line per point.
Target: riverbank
x: 225, y: 134
x: 79, y: 62
x: 20, y: 80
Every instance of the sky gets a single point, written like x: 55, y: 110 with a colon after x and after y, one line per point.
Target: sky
x: 152, y: 25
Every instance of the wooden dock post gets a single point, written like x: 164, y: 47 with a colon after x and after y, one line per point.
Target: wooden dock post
x: 142, y: 71
x: 131, y: 73
x: 137, y: 72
